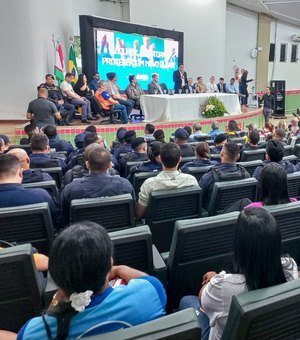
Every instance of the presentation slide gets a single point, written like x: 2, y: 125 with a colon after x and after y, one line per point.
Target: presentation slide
x: 133, y: 54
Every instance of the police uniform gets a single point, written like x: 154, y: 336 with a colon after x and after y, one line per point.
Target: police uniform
x: 60, y: 145
x: 144, y: 167
x: 187, y: 150
x: 197, y: 163
x: 35, y: 175
x: 286, y: 165
x: 125, y: 148
x: 43, y: 159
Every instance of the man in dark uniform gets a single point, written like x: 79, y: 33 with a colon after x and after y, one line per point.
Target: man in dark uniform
x: 269, y: 104
x: 219, y: 141
x: 98, y: 183
x: 224, y: 171
x: 55, y: 142
x: 129, y: 136
x: 181, y: 138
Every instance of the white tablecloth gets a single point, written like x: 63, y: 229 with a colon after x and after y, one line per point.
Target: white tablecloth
x: 183, y: 107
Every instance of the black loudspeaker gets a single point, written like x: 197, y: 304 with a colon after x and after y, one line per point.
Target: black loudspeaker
x: 278, y: 91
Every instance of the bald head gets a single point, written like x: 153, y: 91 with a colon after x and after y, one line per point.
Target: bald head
x: 22, y: 156
x: 43, y: 92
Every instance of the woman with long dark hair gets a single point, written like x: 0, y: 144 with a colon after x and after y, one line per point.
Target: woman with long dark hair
x: 258, y: 263
x: 243, y: 90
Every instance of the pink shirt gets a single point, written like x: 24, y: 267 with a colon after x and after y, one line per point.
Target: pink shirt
x: 260, y: 204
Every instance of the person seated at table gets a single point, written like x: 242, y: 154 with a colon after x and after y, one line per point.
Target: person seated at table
x: 191, y: 86
x: 231, y: 88
x: 134, y: 91
x: 154, y: 87
x: 181, y: 139
x: 89, y: 300
x: 202, y: 153
x: 200, y: 86
x: 211, y: 87
x: 222, y: 86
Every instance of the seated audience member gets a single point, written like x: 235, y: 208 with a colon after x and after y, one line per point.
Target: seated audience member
x: 251, y: 127
x: 119, y: 140
x: 134, y: 91
x: 94, y: 82
x: 197, y: 132
x: 231, y: 88
x: 154, y: 87
x: 107, y: 102
x: 253, y: 139
x: 181, y: 138
x: 42, y: 111
x: 139, y: 153
x: 220, y: 140
x: 114, y: 91
x: 55, y: 142
x: 274, y: 153
x: 222, y: 86
x: 56, y: 97
x: 232, y: 129
x: 293, y: 127
x: 89, y: 301
x: 159, y: 135
x: 200, y: 86
x: 188, y: 130
x: 227, y: 170
x: 6, y: 143
x: 267, y: 130
x: 75, y: 99
x: 29, y: 175
x: 40, y: 152
x: 279, y: 135
x: 211, y: 87
x: 13, y: 194
x: 149, y: 131
x: 202, y: 153
x: 169, y: 178
x: 256, y: 237
x: 129, y: 137
x: 191, y: 86
x: 98, y: 183
x: 30, y: 130
x: 82, y: 89
x: 215, y: 130
x: 273, y: 187
x: 154, y: 163
x: 283, y: 125
x: 2, y: 146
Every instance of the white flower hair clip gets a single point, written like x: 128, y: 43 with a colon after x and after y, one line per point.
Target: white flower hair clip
x: 80, y: 300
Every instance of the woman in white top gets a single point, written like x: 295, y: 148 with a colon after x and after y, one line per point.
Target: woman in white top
x: 258, y: 263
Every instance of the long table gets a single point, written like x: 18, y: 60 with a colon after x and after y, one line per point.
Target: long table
x: 183, y: 107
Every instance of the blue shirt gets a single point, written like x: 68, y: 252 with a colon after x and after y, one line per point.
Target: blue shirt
x: 94, y: 85
x: 42, y: 158
x: 60, y: 145
x: 124, y: 148
x: 141, y: 300
x: 286, y: 165
x: 35, y: 175
x: 214, y: 133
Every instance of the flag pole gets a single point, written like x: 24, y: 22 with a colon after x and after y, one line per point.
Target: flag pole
x: 54, y: 50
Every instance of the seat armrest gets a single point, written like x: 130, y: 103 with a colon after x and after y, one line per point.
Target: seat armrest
x: 160, y: 268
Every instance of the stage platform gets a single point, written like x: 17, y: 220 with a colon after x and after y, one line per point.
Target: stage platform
x: 15, y: 131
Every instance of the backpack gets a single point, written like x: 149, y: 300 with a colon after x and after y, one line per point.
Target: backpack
x: 221, y: 176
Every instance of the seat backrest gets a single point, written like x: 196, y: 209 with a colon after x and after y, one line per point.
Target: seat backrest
x: 198, y: 246
x: 28, y: 224
x: 290, y: 158
x: 293, y: 141
x: 253, y: 155
x: 297, y: 151
x: 268, y: 313
x: 129, y: 165
x: 237, y: 140
x: 185, y: 160
x: 113, y: 213
x: 202, y: 138
x: 49, y: 186
x: 294, y: 184
x: 181, y: 325
x: 288, y: 150
x: 215, y: 157
x: 226, y: 193
x: 25, y: 147
x: 166, y: 207
x: 250, y: 166
x: 51, y: 163
x: 133, y: 248
x: 139, y: 179
x: 287, y: 217
x: 56, y: 174
x: 21, y: 291
x: 198, y: 172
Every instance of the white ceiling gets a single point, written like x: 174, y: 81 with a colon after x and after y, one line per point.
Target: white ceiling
x: 286, y: 10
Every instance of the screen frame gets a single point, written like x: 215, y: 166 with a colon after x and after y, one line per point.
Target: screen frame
x: 88, y: 24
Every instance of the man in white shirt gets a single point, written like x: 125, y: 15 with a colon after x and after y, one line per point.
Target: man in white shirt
x: 75, y: 99
x: 169, y: 178
x: 211, y: 87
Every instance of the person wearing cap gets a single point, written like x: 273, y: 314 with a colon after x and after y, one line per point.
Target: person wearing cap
x: 98, y: 183
x: 219, y: 141
x: 139, y: 153
x: 215, y: 130
x: 119, y: 140
x: 6, y: 143
x: 129, y: 136
x: 42, y: 111
x: 169, y: 178
x: 181, y: 138
x: 56, y: 97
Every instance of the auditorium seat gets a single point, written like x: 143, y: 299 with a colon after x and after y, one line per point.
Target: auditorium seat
x: 287, y: 217
x: 166, y: 207
x: 215, y: 157
x: 290, y: 158
x: 293, y: 141
x: 129, y: 165
x: 139, y: 179
x: 185, y: 160
x: 199, y: 245
x: 133, y: 247
x: 180, y: 325
x: 294, y: 184
x: 297, y: 151
x: 237, y: 140
x: 28, y: 224
x: 210, y: 142
x: 250, y: 166
x: 288, y: 150
x: 198, y: 172
x: 49, y: 186
x: 21, y: 291
x: 202, y: 138
x: 113, y: 213
x: 25, y: 147
x: 268, y: 313
x: 56, y: 174
x: 226, y: 193
x: 253, y: 155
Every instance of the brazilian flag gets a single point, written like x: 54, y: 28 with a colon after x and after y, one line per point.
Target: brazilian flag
x: 72, y: 67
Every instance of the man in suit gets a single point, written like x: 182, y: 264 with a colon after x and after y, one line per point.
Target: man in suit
x: 222, y: 86
x: 154, y: 87
x: 180, y: 79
